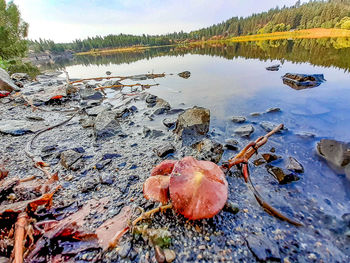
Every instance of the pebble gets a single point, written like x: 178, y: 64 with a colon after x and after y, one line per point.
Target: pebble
x: 170, y: 255
x: 238, y: 119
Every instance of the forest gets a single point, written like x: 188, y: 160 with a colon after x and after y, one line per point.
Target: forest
x: 314, y: 14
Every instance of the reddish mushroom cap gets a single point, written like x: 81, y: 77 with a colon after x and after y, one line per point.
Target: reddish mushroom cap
x: 164, y: 168
x: 198, y: 189
x: 156, y: 188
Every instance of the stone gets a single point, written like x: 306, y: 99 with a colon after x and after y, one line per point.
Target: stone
x: 108, y: 73
x: 231, y: 144
x: 169, y: 254
x: 48, y: 94
x: 69, y: 157
x: 169, y: 122
x: 90, y: 94
x: 346, y: 218
x: 6, y: 82
x: 245, y: 131
x: 106, y: 125
x: 124, y: 250
x: 231, y: 208
x: 294, y: 165
x: 209, y: 150
x: 20, y: 76
x: 97, y: 110
x: 255, y: 114
x: 268, y: 126
x: 151, y: 99
x: 87, y: 121
x: 282, y: 176
x: 34, y: 118
x: 17, y: 127
x: 336, y: 153
x: 238, y: 119
x: 262, y: 248
x: 193, y: 124
x: 271, y: 110
x: 268, y: 157
x: 164, y: 150
x: 185, y: 74
x: 159, y: 254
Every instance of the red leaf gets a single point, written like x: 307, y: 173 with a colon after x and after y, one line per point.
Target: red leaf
x: 57, y: 97
x: 156, y: 188
x: 164, y: 168
x: 198, y: 189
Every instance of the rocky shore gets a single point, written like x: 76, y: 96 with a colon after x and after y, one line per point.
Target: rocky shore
x: 108, y: 148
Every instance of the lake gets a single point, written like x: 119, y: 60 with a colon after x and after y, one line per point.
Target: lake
x: 231, y: 80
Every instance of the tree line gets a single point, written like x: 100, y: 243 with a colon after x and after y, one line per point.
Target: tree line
x: 325, y: 14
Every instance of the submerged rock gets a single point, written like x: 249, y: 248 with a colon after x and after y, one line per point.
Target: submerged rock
x: 231, y: 144
x: 245, y: 131
x: 6, y: 82
x: 270, y: 110
x: 282, y: 176
x: 193, y: 124
x: 238, y: 119
x: 294, y: 165
x: 209, y: 150
x: 263, y: 248
x: 268, y: 126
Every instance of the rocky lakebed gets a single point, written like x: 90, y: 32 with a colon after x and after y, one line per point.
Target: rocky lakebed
x: 103, y: 150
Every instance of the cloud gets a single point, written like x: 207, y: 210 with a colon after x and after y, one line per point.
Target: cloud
x: 66, y: 20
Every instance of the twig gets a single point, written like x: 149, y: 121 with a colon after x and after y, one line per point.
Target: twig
x: 20, y: 234
x: 151, y: 212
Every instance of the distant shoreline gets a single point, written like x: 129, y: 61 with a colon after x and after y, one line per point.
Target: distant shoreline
x: 312, y: 33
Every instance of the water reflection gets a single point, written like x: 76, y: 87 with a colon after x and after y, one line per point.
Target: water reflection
x: 323, y: 52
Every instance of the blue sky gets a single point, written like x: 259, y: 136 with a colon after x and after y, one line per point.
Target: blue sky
x: 66, y: 20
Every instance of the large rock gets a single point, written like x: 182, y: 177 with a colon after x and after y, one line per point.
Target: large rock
x: 193, y: 124
x: 17, y: 127
x: 106, y: 125
x: 209, y: 150
x: 6, y: 82
x: 69, y: 157
x: 336, y: 153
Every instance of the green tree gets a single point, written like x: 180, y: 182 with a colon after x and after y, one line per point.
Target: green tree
x: 13, y: 30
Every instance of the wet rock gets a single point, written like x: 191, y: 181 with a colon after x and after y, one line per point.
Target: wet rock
x: 139, y: 77
x: 108, y: 73
x: 160, y: 103
x: 107, y: 156
x: 106, y: 125
x: 346, y: 218
x: 151, y: 100
x: 231, y: 144
x: 282, y: 176
x: 159, y: 254
x: 169, y: 255
x: 49, y: 148
x: 6, y: 83
x: 16, y: 127
x: 20, y: 76
x: 193, y: 124
x: 90, y: 94
x: 336, y: 153
x: 306, y: 135
x: 262, y: 248
x: 185, y: 74
x: 245, y: 131
x: 123, y: 112
x: 294, y: 165
x: 268, y: 126
x: 271, y: 110
x: 238, y: 119
x: 259, y: 161
x: 209, y: 150
x: 169, y: 122
x: 268, y: 157
x: 124, y: 250
x: 164, y: 150
x: 69, y: 157
x: 255, y: 114
x: 231, y: 208
x: 175, y: 111
x: 273, y: 68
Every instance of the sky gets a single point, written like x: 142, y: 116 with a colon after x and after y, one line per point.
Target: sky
x: 66, y: 20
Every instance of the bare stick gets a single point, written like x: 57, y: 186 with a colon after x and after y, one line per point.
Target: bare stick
x: 20, y: 234
x: 151, y: 212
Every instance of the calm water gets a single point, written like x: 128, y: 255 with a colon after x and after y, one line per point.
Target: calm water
x: 232, y: 80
